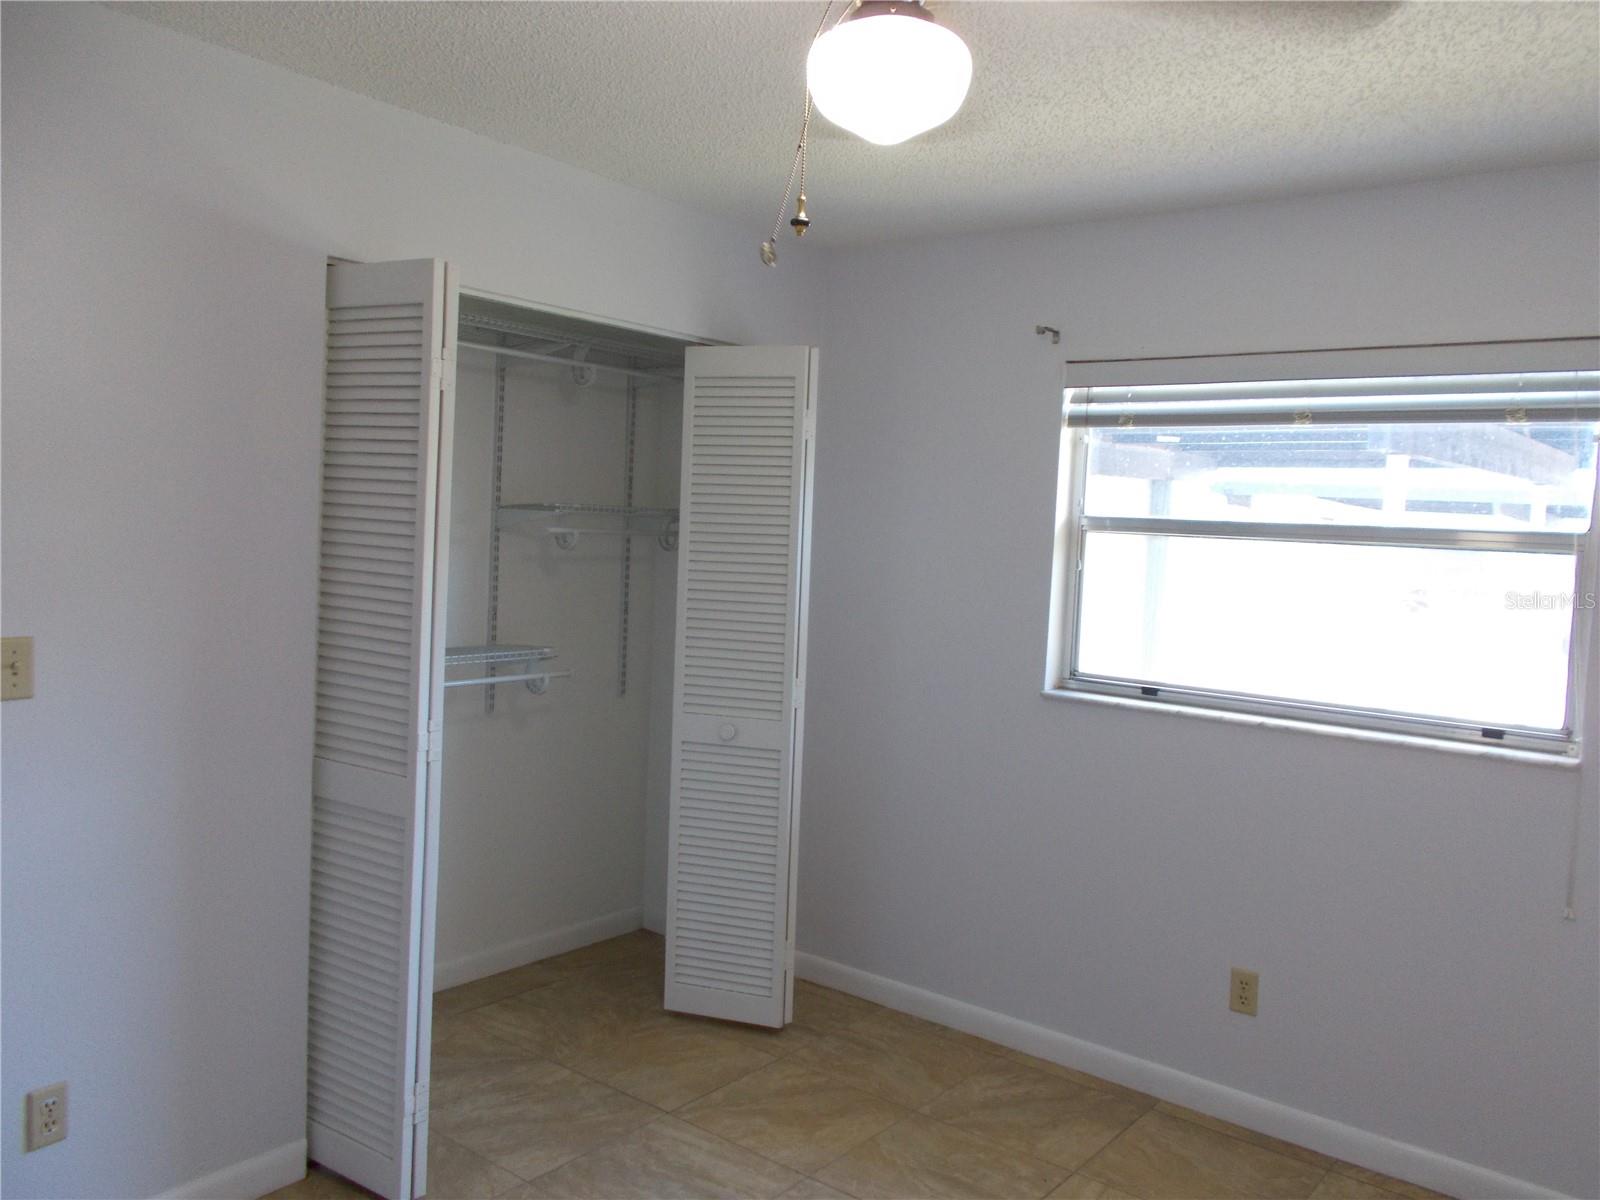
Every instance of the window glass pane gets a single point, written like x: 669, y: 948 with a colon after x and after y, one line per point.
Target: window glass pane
x: 1479, y: 476
x: 1473, y: 635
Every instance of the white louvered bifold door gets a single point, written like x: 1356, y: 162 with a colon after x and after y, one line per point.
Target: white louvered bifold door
x: 738, y: 715
x: 379, y: 707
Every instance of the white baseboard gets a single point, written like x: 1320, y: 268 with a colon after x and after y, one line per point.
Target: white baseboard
x: 248, y: 1179
x: 503, y: 957
x: 1365, y: 1149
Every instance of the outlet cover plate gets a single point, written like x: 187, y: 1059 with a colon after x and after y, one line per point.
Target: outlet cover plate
x: 1244, y: 989
x: 47, y: 1116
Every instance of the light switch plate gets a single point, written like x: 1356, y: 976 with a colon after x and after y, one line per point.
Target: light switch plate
x: 16, y: 668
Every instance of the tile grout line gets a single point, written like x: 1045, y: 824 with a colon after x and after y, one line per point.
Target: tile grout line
x: 995, y: 1050
x: 659, y: 1114
x: 461, y: 1012
x: 1084, y: 1169
x: 747, y: 1149
x: 545, y: 1056
x: 851, y: 1085
x: 942, y: 1031
x: 986, y: 1138
x: 954, y: 1038
x: 896, y: 1123
x: 519, y: 1095
x: 840, y: 1081
x: 468, y: 1150
x: 1327, y: 1170
x: 921, y: 1110
x: 600, y: 1145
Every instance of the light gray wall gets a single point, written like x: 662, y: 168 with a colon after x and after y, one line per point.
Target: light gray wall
x: 1098, y: 871
x: 168, y: 208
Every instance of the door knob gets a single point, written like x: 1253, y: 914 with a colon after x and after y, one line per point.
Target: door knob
x: 728, y: 732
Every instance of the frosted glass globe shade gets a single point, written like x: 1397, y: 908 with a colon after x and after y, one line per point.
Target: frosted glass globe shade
x: 886, y: 76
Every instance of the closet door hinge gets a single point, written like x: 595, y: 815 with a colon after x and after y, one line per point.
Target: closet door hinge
x: 435, y: 741
x: 417, y: 1104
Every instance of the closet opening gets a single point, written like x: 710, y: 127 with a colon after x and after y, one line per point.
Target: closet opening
x: 559, y: 666
x: 560, y: 621
x: 560, y: 710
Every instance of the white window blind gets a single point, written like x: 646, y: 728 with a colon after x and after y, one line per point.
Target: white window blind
x: 1406, y: 552
x: 1418, y: 399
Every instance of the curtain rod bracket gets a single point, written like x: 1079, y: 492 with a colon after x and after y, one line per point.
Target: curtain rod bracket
x: 1055, y: 334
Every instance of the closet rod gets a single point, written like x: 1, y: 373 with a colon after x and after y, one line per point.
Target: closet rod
x: 656, y: 376
x: 537, y: 681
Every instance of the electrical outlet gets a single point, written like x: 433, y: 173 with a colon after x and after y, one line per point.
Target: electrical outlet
x: 16, y: 668
x: 1243, y: 987
x: 47, y: 1116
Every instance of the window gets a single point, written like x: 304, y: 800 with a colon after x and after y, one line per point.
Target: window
x: 1404, y: 553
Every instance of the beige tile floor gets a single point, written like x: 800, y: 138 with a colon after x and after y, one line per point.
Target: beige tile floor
x: 565, y: 1078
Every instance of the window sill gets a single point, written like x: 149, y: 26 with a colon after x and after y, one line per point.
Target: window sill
x: 1568, y: 761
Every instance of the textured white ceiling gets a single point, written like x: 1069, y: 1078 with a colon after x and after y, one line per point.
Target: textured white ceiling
x: 1076, y: 109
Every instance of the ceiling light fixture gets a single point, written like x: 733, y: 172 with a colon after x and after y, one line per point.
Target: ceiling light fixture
x: 888, y: 71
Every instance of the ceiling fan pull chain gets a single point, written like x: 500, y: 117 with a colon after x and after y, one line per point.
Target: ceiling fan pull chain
x: 801, y: 221
x: 797, y: 169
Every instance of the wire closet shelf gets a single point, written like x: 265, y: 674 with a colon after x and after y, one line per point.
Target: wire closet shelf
x: 582, y: 349
x: 493, y: 657
x: 649, y: 364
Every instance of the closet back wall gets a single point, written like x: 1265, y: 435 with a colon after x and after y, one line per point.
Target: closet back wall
x: 169, y: 207
x: 543, y: 823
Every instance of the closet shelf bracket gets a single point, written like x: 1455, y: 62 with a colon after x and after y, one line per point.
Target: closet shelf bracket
x: 625, y: 521
x: 567, y: 537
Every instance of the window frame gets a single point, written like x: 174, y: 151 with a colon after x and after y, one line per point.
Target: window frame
x: 1073, y: 526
